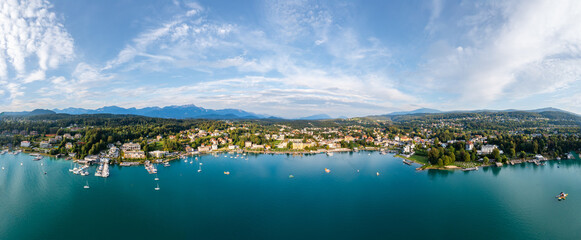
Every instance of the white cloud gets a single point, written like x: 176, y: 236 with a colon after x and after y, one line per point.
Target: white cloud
x: 530, y: 47
x: 29, y: 30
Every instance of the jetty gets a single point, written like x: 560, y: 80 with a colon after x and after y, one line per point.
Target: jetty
x: 150, y: 168
x: 470, y: 169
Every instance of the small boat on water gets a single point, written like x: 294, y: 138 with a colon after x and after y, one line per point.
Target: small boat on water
x: 157, y: 188
x: 200, y: 168
x: 227, y: 173
x: 87, y: 185
x: 327, y: 170
x: 377, y: 173
x: 562, y: 196
x: 166, y: 164
x: 291, y: 176
x: 37, y: 158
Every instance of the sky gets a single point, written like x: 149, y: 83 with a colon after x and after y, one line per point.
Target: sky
x: 291, y: 58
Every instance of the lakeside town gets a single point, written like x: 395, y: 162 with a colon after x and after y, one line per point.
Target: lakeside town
x: 446, y: 142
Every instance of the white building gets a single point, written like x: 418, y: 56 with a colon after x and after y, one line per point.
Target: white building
x: 158, y: 154
x: 409, y: 148
x: 25, y: 144
x: 131, y: 147
x: 44, y: 144
x: 469, y: 146
x: 487, y: 149
x: 134, y: 154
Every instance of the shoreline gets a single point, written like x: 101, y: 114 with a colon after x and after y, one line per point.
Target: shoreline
x: 422, y: 167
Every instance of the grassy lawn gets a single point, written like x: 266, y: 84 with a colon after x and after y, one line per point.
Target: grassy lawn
x: 420, y: 159
x: 417, y: 158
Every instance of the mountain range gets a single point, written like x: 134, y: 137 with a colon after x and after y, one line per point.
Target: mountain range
x: 434, y: 111
x: 177, y: 112
x: 193, y: 111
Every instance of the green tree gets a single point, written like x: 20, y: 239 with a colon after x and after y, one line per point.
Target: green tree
x: 496, y: 154
x: 486, y: 160
x: 466, y: 157
x: 512, y: 152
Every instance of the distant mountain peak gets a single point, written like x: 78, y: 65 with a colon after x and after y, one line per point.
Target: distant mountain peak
x: 316, y: 117
x: 173, y: 111
x: 417, y: 111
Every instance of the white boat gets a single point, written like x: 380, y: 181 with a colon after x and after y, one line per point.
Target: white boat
x: 186, y: 160
x: 200, y: 169
x: 166, y: 164
x: 86, y: 186
x: 157, y: 188
x: 330, y: 154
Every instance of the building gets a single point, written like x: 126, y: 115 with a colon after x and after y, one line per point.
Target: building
x: 134, y: 154
x: 248, y: 144
x: 487, y: 149
x: 44, y: 144
x: 232, y: 147
x: 469, y: 146
x: 348, y: 139
x: 158, y: 154
x: 68, y: 145
x: 204, y: 148
x: 301, y: 145
x: 409, y: 148
x: 282, y: 145
x: 131, y: 147
x: 25, y: 144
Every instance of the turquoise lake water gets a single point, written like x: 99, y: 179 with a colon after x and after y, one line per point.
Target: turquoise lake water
x: 258, y: 200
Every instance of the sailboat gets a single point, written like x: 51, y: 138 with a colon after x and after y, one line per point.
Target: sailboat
x: 87, y: 186
x: 157, y: 188
x: 156, y: 178
x: 200, y: 169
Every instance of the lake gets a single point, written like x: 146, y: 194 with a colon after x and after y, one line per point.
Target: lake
x: 258, y: 200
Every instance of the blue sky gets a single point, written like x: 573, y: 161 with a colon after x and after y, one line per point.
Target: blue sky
x: 291, y: 58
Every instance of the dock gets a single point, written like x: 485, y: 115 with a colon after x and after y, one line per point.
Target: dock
x: 470, y: 169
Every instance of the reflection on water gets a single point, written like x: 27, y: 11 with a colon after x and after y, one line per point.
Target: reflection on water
x: 434, y: 173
